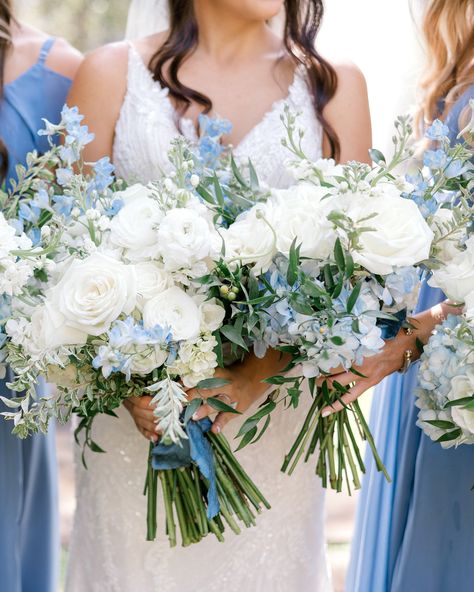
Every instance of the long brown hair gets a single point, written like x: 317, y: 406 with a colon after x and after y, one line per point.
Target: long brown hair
x: 5, y: 44
x: 448, y: 29
x: 302, y: 22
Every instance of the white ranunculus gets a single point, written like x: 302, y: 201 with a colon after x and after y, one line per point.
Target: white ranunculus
x: 135, y: 227
x: 250, y: 239
x: 212, y: 314
x: 136, y: 191
x: 174, y: 309
x: 456, y: 279
x: 147, y: 358
x: 301, y: 212
x: 92, y: 294
x: 462, y: 386
x: 401, y: 236
x: 184, y: 237
x: 152, y: 279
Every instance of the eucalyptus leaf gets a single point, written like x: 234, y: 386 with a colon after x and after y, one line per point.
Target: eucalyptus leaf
x: 212, y: 383
x: 219, y: 405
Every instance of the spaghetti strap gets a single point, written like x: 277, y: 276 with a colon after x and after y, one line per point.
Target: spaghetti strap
x: 45, y: 49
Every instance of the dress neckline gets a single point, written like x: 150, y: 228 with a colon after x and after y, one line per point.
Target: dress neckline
x: 188, y: 124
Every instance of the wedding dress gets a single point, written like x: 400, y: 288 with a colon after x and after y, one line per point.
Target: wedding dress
x: 286, y: 551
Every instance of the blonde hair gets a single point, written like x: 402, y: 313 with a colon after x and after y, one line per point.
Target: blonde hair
x: 448, y: 29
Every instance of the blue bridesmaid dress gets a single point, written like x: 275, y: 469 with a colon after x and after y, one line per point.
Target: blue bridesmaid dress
x: 29, y: 524
x: 416, y: 533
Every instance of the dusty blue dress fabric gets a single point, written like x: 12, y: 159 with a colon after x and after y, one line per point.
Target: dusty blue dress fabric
x: 29, y: 529
x: 416, y: 533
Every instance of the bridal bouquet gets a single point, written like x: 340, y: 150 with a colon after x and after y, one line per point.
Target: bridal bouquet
x: 329, y: 269
x: 114, y: 309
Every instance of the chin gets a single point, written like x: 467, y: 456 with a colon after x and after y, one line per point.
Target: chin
x: 254, y: 9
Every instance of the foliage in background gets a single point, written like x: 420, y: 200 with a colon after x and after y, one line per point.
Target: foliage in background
x: 86, y: 24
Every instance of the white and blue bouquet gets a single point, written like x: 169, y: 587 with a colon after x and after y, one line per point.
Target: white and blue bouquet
x: 326, y: 271
x: 110, y: 306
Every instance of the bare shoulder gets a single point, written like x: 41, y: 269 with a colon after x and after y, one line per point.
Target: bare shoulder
x: 148, y: 46
x: 350, y: 77
x: 103, y: 72
x: 64, y: 59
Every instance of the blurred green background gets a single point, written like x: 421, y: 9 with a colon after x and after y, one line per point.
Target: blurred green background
x: 84, y: 23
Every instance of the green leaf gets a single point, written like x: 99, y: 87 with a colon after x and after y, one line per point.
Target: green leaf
x: 339, y: 256
x: 219, y: 405
x: 237, y: 175
x: 254, y: 184
x: 218, y: 349
x: 212, y: 383
x: 233, y: 335
x: 292, y: 274
x: 449, y: 436
x: 441, y: 424
x: 218, y: 190
x: 191, y: 409
x: 95, y: 447
x: 279, y: 380
x: 264, y: 410
x: 349, y: 265
x: 377, y: 156
x: 263, y: 430
x: 206, y: 195
x: 351, y: 301
x: 337, y: 340
x: 459, y: 402
x: 248, y: 437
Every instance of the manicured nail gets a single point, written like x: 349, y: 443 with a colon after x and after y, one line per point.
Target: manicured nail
x: 218, y: 429
x: 326, y: 413
x: 195, y: 417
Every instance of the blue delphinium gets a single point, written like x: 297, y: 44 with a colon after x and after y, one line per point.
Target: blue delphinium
x: 435, y: 159
x: 103, y: 174
x: 437, y: 131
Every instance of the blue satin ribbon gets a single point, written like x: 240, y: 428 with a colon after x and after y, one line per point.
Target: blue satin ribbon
x: 196, y: 449
x: 391, y: 328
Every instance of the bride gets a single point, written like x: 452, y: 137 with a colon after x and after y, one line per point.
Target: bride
x: 221, y: 57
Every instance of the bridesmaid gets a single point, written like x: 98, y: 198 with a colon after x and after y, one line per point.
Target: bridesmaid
x: 417, y: 532
x: 35, y: 76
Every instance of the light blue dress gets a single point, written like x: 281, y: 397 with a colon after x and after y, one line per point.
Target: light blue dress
x: 417, y: 533
x: 29, y: 525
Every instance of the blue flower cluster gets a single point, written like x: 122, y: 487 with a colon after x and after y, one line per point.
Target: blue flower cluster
x: 210, y: 147
x: 128, y: 339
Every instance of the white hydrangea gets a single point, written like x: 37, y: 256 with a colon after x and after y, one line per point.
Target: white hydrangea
x: 196, y: 360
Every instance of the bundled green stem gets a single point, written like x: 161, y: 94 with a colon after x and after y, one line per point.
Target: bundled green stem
x: 333, y: 440
x: 185, y: 492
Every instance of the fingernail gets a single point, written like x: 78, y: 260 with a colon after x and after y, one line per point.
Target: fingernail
x: 326, y: 413
x: 195, y: 417
x: 218, y: 429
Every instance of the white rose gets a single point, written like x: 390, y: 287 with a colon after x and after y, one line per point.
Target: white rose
x: 50, y: 331
x: 302, y: 213
x: 184, y: 237
x: 401, y: 236
x: 93, y: 293
x: 174, y: 309
x: 134, y: 228
x: 250, y: 239
x: 212, y: 314
x: 448, y: 248
x: 469, y: 301
x: 152, y: 279
x: 456, y: 278
x: 462, y: 386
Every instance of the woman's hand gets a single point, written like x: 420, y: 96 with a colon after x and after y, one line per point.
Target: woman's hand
x: 244, y: 389
x: 142, y: 413
x: 376, y: 368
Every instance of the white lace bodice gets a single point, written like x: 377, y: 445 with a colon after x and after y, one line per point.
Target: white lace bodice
x: 286, y: 551
x: 147, y: 125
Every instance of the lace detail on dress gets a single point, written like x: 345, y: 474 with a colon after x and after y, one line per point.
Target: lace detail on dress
x: 286, y: 551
